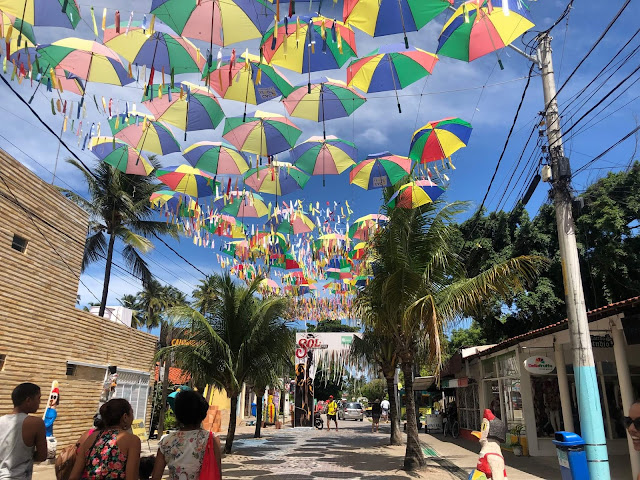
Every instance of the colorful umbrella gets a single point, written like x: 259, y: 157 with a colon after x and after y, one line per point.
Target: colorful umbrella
x: 390, y: 67
x: 387, y: 17
x: 45, y: 13
x: 174, y: 202
x: 120, y: 155
x: 246, y: 205
x: 380, y: 170
x: 159, y: 50
x: 331, y: 241
x: 216, y: 158
x: 479, y: 27
x: 16, y: 32
x: 237, y: 249
x: 262, y: 133
x: 285, y: 262
x: 269, y: 284
x: 227, y: 226
x: 327, y: 45
x: 439, y: 139
x: 327, y: 100
x: 337, y: 274
x: 144, y: 133
x: 359, y: 251
x: 189, y: 180
x: 220, y: 22
x: 279, y: 178
x: 87, y: 59
x: 65, y: 81
x: 415, y: 194
x: 292, y: 224
x: 188, y: 106
x: 363, y: 227
x: 320, y: 156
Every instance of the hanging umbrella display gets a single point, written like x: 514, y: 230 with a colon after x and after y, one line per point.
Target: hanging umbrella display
x: 284, y: 262
x: 158, y: 50
x: 358, y: 251
x: 269, y: 285
x: 174, y: 202
x: 363, y: 227
x: 262, y: 133
x: 320, y: 156
x: 292, y: 224
x: 87, y: 59
x: 331, y: 242
x: 278, y: 178
x: 144, y: 133
x: 416, y: 194
x: 380, y: 170
x: 187, y: 106
x: 439, y: 139
x: 13, y: 28
x: 390, y: 67
x: 189, y: 180
x: 388, y: 17
x: 219, y: 22
x: 44, y: 13
x: 237, y: 249
x: 227, y: 226
x: 246, y: 205
x: 66, y: 81
x: 479, y: 27
x: 120, y: 155
x: 216, y: 158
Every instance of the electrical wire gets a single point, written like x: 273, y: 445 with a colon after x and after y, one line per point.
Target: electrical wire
x: 599, y: 156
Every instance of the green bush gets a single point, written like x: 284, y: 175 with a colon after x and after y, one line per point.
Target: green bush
x: 170, y: 422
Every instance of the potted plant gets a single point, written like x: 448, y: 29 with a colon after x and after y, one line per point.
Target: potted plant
x: 517, y: 446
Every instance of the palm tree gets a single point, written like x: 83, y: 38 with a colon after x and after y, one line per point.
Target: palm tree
x: 118, y: 209
x: 205, y: 295
x: 421, y: 287
x: 232, y: 340
x: 132, y: 303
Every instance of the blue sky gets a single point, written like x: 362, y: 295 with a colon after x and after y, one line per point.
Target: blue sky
x: 478, y: 92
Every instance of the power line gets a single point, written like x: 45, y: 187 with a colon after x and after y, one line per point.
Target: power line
x: 599, y: 156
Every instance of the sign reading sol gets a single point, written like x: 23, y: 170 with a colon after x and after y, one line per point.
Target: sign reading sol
x: 539, y: 365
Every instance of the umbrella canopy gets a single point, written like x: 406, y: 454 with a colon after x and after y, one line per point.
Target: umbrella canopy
x: 246, y: 80
x: 159, y: 50
x: 331, y: 241
x: 120, y: 155
x: 227, y: 226
x: 174, y: 202
x: 87, y: 59
x: 217, y: 158
x: 215, y: 21
x: 13, y: 28
x: 387, y: 17
x: 246, y: 205
x: 144, y: 133
x: 291, y: 224
x: 320, y: 156
x: 66, y: 81
x: 380, y: 170
x: 279, y: 178
x: 479, y: 27
x: 189, y: 180
x: 362, y: 228
x: 188, y: 106
x: 415, y: 194
x: 45, y: 13
x: 309, y: 44
x: 439, y: 139
x: 358, y: 251
x: 237, y: 249
x: 261, y: 133
x: 284, y: 261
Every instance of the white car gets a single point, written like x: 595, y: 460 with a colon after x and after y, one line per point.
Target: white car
x: 351, y: 411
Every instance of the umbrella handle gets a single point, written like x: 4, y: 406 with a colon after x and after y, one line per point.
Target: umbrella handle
x: 406, y: 42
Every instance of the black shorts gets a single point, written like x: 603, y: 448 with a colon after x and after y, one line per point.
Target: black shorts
x: 376, y: 418
x: 331, y: 417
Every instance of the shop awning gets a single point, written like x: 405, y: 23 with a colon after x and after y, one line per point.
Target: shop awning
x: 423, y: 383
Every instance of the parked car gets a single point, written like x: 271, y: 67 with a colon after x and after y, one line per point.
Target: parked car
x: 351, y: 411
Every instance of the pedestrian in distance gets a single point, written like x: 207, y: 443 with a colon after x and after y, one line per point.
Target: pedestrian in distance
x: 184, y: 451
x: 632, y: 424
x: 113, y: 452
x: 22, y: 437
x: 332, y: 413
x: 386, y: 406
x: 376, y: 411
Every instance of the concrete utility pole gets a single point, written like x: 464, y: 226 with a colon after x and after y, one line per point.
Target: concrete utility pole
x: 591, y: 421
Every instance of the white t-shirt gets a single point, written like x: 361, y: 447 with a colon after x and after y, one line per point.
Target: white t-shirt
x: 385, y: 405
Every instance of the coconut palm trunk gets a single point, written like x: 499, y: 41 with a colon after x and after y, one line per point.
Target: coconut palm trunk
x: 414, y: 458
x: 259, y: 398
x: 233, y: 416
x: 165, y: 382
x: 396, y: 435
x: 107, y: 275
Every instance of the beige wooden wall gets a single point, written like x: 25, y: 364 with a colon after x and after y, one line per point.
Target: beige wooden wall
x: 40, y: 328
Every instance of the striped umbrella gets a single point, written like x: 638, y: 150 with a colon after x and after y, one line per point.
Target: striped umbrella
x: 439, y: 139
x: 324, y: 156
x: 189, y: 180
x: 380, y: 170
x: 120, y: 155
x: 17, y: 33
x: 175, y: 202
x: 227, y: 226
x: 217, y: 158
x: 416, y: 194
x: 144, y: 133
x: 363, y: 227
x: 44, y: 13
x: 262, y: 133
x: 291, y: 224
x: 246, y: 205
x: 278, y: 178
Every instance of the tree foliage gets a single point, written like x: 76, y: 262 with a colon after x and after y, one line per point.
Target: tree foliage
x: 331, y: 326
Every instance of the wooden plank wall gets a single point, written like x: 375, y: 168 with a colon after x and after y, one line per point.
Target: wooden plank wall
x: 40, y: 328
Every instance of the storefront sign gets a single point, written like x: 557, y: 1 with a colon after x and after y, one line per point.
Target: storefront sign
x: 138, y: 429
x: 346, y: 340
x: 310, y: 343
x: 180, y: 341
x: 455, y: 382
x: 327, y: 342
x: 539, y: 365
x: 601, y: 341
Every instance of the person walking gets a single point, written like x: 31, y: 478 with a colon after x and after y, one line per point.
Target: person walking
x: 376, y: 411
x: 22, y: 437
x: 111, y: 453
x: 386, y: 407
x: 183, y: 451
x: 332, y: 412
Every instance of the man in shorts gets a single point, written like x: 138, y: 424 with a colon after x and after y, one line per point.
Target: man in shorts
x: 376, y: 411
x: 332, y: 412
x: 385, y: 406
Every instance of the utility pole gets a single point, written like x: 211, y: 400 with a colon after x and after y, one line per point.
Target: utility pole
x: 591, y: 421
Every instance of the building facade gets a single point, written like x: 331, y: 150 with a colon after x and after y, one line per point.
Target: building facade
x: 43, y: 336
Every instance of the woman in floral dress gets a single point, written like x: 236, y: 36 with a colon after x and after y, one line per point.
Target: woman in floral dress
x: 112, y: 453
x: 183, y: 451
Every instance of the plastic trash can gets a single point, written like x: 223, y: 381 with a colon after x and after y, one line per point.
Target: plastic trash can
x: 572, y: 457
x: 253, y: 409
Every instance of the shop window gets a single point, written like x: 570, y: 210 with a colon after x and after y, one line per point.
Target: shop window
x: 507, y: 365
x: 513, y: 401
x: 3, y: 359
x: 546, y: 405
x: 489, y: 367
x: 135, y: 388
x: 19, y: 243
x: 468, y: 407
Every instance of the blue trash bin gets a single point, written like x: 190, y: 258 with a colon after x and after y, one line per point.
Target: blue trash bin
x: 253, y: 409
x: 572, y: 457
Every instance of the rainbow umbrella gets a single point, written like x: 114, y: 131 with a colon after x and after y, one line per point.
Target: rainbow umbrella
x: 87, y: 59
x: 66, y: 81
x: 174, y: 202
x: 320, y: 156
x: 479, y: 27
x: 217, y: 158
x: 363, y: 227
x: 227, y: 226
x: 331, y: 241
x: 390, y: 67
x: 337, y: 274
x: 189, y: 180
x: 159, y: 50
x: 358, y: 251
x: 246, y: 205
x: 388, y: 17
x: 144, y: 133
x: 237, y: 249
x: 188, y: 106
x: 16, y: 32
x: 219, y: 22
x: 306, y: 44
x: 269, y: 284
x: 279, y: 178
x: 439, y: 139
x: 292, y: 224
x: 262, y: 133
x: 380, y: 170
x: 44, y: 13
x: 284, y: 261
x: 120, y: 155
x: 416, y: 194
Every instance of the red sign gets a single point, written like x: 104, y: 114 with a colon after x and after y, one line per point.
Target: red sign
x: 306, y: 344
